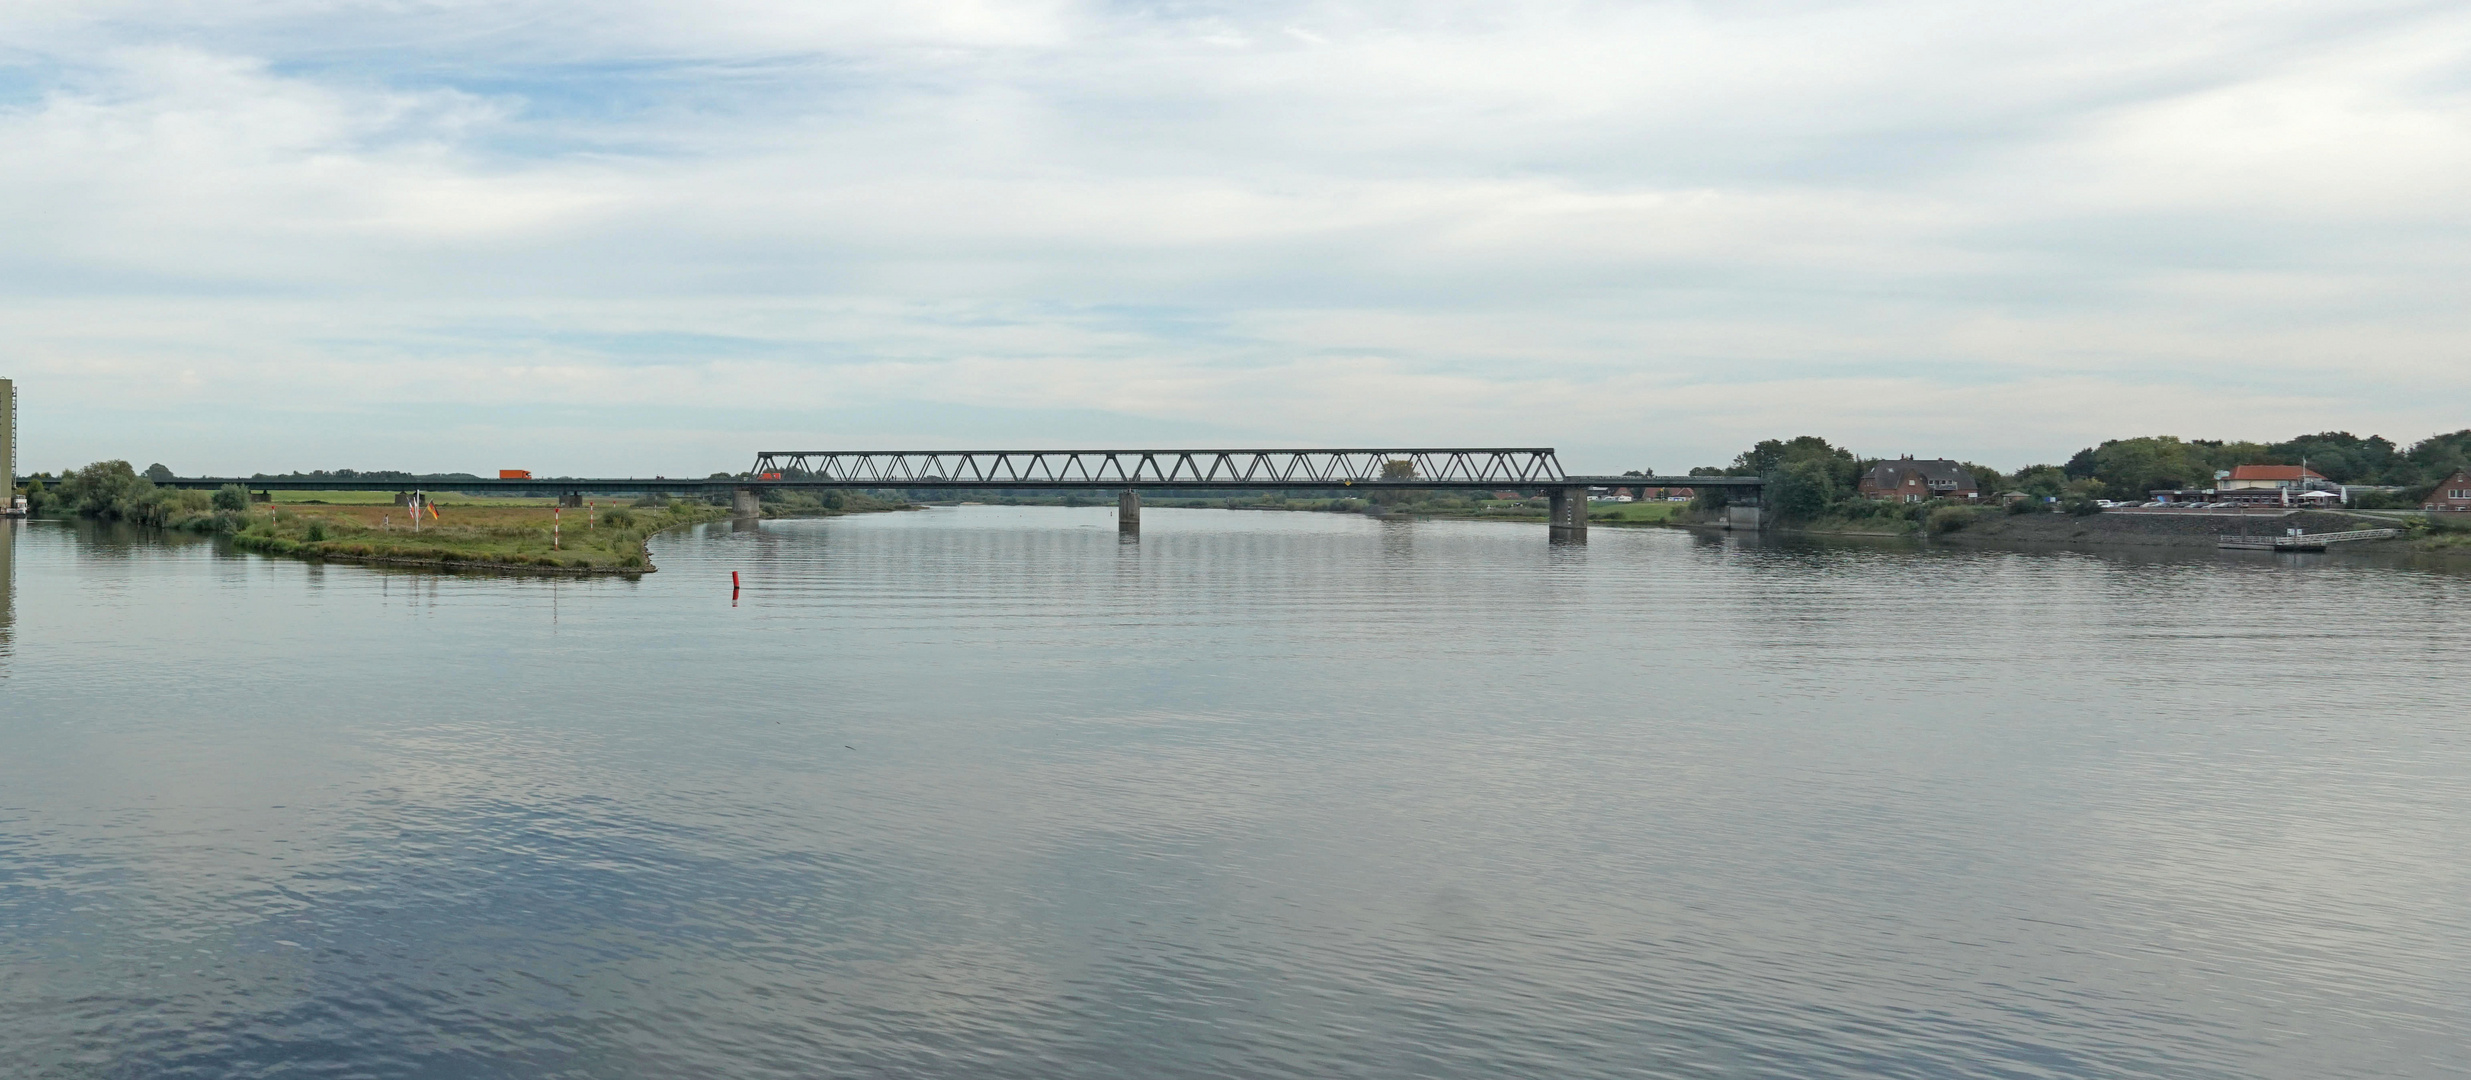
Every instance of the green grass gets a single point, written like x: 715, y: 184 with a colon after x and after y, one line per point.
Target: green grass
x: 485, y: 533
x: 387, y: 498
x: 1636, y: 513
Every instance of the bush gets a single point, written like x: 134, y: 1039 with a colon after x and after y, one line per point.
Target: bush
x: 316, y: 533
x: 618, y: 518
x: 231, y: 497
x: 2025, y: 506
x: 2084, y: 508
x: 1948, y: 519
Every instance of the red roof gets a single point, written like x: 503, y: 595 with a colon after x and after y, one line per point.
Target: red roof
x: 2274, y: 472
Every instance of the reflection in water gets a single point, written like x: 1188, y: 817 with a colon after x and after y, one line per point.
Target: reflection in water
x: 8, y: 588
x: 992, y: 793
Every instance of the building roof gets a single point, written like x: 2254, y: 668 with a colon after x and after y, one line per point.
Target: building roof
x: 2274, y: 472
x: 1890, y: 473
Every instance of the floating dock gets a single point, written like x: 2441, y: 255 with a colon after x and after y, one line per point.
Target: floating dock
x: 2306, y: 541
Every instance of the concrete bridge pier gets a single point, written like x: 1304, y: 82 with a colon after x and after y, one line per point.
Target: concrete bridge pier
x: 1128, y: 512
x: 1746, y: 510
x: 746, y: 502
x: 1566, y: 512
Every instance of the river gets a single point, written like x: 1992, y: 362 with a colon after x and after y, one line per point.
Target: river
x: 986, y: 792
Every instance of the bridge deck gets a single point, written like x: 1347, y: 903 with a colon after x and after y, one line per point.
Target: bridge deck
x: 648, y: 485
x: 1425, y: 469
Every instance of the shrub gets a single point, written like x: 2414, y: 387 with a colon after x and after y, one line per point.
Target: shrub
x: 1948, y: 519
x: 2084, y: 507
x: 618, y: 518
x: 2025, y: 506
x: 316, y: 533
x: 231, y: 497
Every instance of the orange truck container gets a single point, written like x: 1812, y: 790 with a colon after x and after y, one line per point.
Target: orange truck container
x: 514, y: 474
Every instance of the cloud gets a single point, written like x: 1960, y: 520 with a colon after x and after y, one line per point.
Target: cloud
x: 1647, y: 230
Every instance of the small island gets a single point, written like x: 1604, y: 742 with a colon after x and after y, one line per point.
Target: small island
x: 450, y: 531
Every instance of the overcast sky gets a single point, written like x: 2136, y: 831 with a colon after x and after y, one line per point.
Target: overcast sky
x: 611, y: 237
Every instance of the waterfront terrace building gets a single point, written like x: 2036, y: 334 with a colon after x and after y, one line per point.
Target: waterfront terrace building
x: 2270, y: 484
x: 2453, y: 493
x: 2292, y: 478
x: 1908, y: 480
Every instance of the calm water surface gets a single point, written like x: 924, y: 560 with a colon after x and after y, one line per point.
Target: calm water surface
x: 982, y: 792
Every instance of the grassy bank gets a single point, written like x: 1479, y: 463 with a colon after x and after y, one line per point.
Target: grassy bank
x: 465, y: 531
x: 475, y: 535
x: 481, y: 532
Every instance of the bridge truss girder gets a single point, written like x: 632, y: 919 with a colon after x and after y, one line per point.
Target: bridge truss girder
x: 1457, y: 467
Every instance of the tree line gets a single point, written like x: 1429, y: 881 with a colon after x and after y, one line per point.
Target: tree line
x: 1808, y: 477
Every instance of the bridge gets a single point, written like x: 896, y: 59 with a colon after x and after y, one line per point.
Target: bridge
x: 1126, y: 473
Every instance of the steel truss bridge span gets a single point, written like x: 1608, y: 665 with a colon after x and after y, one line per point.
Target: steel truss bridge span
x: 1128, y: 473
x: 1180, y: 469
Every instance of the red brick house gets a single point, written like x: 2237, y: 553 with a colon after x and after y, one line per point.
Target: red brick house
x: 1908, y: 480
x: 2453, y: 493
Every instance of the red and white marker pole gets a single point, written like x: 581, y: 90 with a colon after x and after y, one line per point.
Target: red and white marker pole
x: 557, y: 516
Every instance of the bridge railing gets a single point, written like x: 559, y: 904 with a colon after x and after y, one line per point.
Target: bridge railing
x: 1203, y: 467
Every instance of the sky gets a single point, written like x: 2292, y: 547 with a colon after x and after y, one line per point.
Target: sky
x: 627, y: 238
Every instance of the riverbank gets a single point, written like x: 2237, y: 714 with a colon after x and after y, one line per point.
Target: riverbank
x: 1990, y: 527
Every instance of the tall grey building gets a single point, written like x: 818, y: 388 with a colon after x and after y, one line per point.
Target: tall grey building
x: 8, y: 439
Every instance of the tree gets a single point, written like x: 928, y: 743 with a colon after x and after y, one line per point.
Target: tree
x: 1989, y: 480
x: 158, y: 472
x: 2437, y: 456
x: 109, y: 491
x: 2040, y: 481
x: 1773, y: 454
x: 231, y: 497
x: 2129, y: 468
x: 1801, y: 490
x: 2342, y: 457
